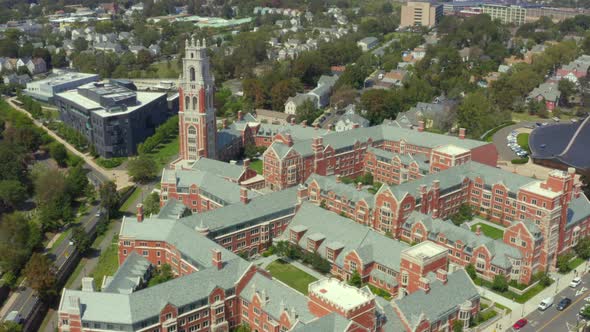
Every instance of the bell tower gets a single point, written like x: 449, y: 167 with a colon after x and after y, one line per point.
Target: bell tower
x: 196, y: 114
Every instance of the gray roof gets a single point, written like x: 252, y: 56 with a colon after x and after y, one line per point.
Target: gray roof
x: 392, y: 321
x: 500, y: 251
x: 332, y: 322
x: 226, y: 137
x: 194, y: 247
x: 211, y: 186
x: 131, y: 309
x: 297, y: 132
x: 260, y: 209
x: 350, y: 116
x: 368, y: 244
x: 448, y: 297
x: 129, y: 275
x: 432, y: 111
x: 300, y: 98
x: 219, y: 168
x: 368, y: 40
x: 384, y: 132
x: 406, y: 159
x: 329, y: 183
x: 279, y: 297
x: 578, y: 210
x: 548, y: 91
x: 173, y: 209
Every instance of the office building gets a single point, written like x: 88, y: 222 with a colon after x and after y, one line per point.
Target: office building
x: 418, y: 13
x: 46, y: 89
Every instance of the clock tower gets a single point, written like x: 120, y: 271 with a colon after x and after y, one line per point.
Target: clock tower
x: 197, y: 125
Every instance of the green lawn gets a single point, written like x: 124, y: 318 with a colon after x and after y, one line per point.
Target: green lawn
x: 108, y: 263
x: 511, y: 295
x: 134, y: 196
x: 522, y: 139
x: 165, y: 153
x: 110, y: 162
x: 256, y: 165
x: 489, y: 231
x: 290, y: 275
x: 518, y: 117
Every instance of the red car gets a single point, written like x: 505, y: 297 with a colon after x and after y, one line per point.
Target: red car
x: 520, y: 324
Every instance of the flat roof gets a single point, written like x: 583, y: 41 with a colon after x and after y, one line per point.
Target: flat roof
x: 66, y: 77
x: 339, y: 293
x: 452, y: 150
x: 143, y: 98
x: 425, y: 250
x: 535, y: 187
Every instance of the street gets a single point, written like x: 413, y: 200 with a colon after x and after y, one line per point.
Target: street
x: 555, y: 320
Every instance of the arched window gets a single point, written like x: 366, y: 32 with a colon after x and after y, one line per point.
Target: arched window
x: 186, y: 102
x: 192, y: 55
x: 192, y: 131
x: 194, y: 103
x: 192, y: 74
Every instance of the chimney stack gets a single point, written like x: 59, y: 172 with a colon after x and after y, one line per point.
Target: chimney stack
x: 577, y: 190
x: 359, y: 186
x: 244, y: 195
x: 425, y: 284
x: 420, y: 126
x: 139, y: 212
x: 304, y: 123
x: 224, y: 123
x: 302, y: 193
x: 462, y: 133
x: 435, y: 213
x: 478, y: 230
x: 240, y: 115
x: 289, y: 139
x: 338, y: 178
x: 355, y: 125
x: 441, y: 275
x: 292, y: 121
x: 216, y: 259
x: 246, y: 162
x: 316, y: 126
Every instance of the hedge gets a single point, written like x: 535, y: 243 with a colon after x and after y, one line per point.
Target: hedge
x: 520, y: 160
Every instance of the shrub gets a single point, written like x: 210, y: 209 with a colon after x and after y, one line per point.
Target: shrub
x: 519, y: 161
x: 470, y: 269
x: 500, y: 283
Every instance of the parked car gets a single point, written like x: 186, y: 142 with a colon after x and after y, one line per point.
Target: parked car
x: 546, y: 303
x: 556, y: 119
x: 520, y: 324
x: 576, y: 282
x: 564, y: 303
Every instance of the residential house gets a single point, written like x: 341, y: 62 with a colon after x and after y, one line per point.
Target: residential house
x: 367, y: 43
x: 438, y: 116
x: 350, y: 119
x: 547, y: 92
x: 17, y: 79
x: 36, y: 66
x: 296, y: 101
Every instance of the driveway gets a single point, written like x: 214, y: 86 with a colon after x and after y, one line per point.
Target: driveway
x: 500, y: 141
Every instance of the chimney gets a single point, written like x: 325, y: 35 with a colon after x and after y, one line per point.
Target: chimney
x: 441, y: 275
x: 355, y: 125
x: 420, y: 126
x: 246, y: 162
x: 577, y: 190
x: 316, y: 126
x: 289, y: 139
x: 435, y: 213
x: 425, y: 284
x: 244, y: 195
x: 478, y: 230
x: 462, y: 133
x: 293, y: 121
x: 224, y: 123
x: 240, y: 115
x: 216, y: 259
x: 359, y: 186
x: 302, y: 193
x: 139, y: 212
x: 304, y: 123
x: 338, y: 178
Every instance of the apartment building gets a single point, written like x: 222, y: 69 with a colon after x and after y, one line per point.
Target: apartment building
x: 420, y: 13
x: 506, y: 13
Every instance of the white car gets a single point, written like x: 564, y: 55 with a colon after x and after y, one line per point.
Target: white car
x: 546, y: 303
x: 576, y: 282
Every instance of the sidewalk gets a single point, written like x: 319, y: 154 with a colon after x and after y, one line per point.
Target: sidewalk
x: 522, y: 310
x: 121, y: 178
x: 308, y: 270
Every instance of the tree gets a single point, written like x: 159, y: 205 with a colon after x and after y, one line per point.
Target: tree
x: 307, y: 111
x: 80, y: 44
x: 142, y: 169
x: 76, y: 181
x: 568, y: 89
x: 10, y: 327
x: 354, y: 76
x: 343, y: 96
x: 58, y: 152
x: 81, y: 239
x: 109, y: 197
x: 457, y: 326
x: 476, y: 114
x: 40, y: 274
x: 51, y: 196
x: 380, y: 105
x: 500, y: 283
x: 582, y: 248
x: 151, y: 205
x: 12, y: 193
x: 470, y: 269
x: 15, y: 243
x: 163, y: 274
x: 586, y: 313
x: 464, y: 214
x: 309, y: 67
x: 563, y: 263
x: 280, y: 92
x: 355, y: 279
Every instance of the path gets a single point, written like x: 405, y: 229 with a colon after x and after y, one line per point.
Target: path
x: 120, y: 177
x: 307, y: 270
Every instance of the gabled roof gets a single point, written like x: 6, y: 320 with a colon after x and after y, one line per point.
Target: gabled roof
x: 219, y: 168
x: 129, y: 275
x: 368, y: 244
x: 578, y: 210
x: 329, y: 183
x: 447, y: 297
x: 332, y: 322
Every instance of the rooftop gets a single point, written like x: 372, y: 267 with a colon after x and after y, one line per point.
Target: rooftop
x: 452, y: 150
x: 339, y: 293
x: 425, y: 250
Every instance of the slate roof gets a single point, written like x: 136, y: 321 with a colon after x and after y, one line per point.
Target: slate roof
x: 129, y: 275
x: 369, y: 245
x: 297, y: 132
x: 329, y: 183
x: 406, y: 159
x: 226, y: 136
x: 566, y: 143
x: 447, y: 298
x: 131, y: 309
x: 548, y: 91
x: 173, y: 209
x: 500, y: 251
x: 219, y: 168
x: 258, y: 210
x: 332, y: 322
x: 578, y: 210
x: 279, y: 297
x: 392, y: 321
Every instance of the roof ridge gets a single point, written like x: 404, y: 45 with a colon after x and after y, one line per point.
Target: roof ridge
x: 572, y: 140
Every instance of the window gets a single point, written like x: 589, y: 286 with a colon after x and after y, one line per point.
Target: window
x: 126, y: 243
x: 353, y: 266
x: 65, y: 322
x: 219, y: 310
x: 144, y: 252
x: 405, y: 278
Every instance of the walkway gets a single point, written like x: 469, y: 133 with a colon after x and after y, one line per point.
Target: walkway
x: 307, y: 270
x: 120, y: 177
